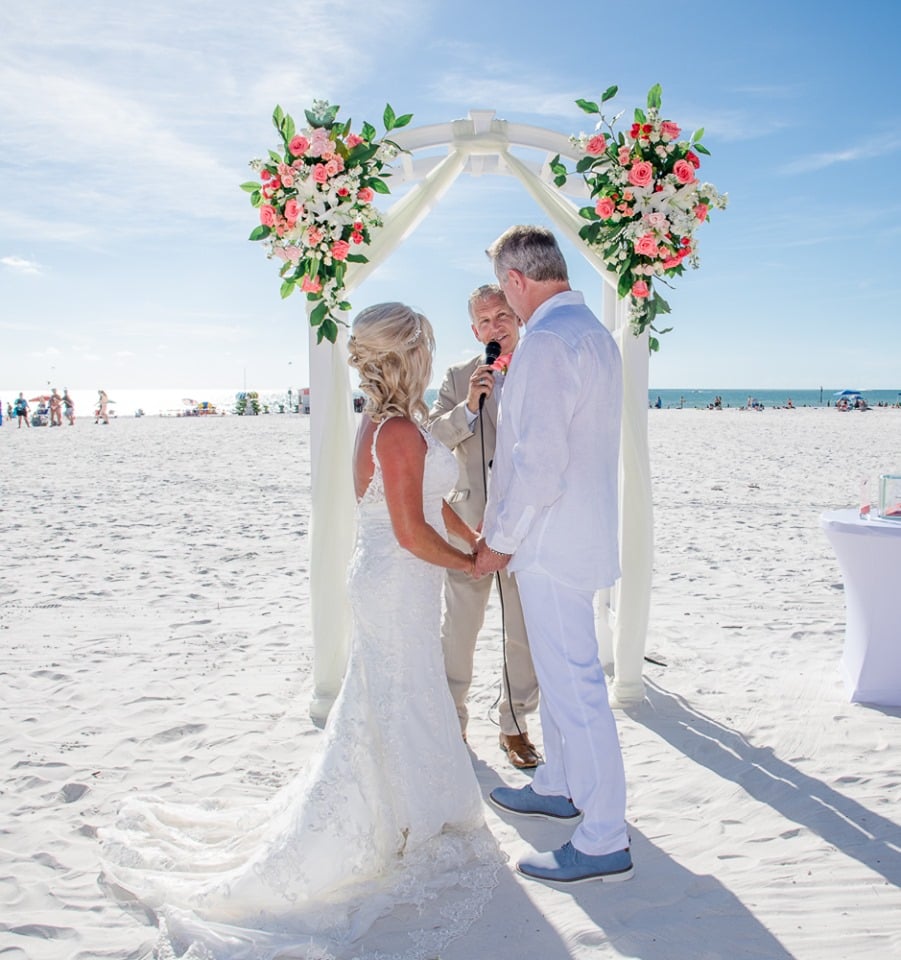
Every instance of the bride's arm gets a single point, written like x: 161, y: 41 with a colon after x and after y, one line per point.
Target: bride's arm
x: 401, y: 451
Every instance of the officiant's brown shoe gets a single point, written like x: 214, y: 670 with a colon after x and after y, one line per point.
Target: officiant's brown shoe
x: 520, y: 750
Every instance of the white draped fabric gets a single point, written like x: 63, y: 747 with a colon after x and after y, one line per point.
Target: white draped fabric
x: 479, y: 145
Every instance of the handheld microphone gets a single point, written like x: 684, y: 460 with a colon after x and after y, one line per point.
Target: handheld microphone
x: 492, y: 352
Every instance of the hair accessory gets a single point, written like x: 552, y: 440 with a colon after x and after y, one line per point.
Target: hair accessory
x: 416, y: 332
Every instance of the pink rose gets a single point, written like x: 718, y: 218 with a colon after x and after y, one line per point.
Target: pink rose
x: 280, y: 253
x: 624, y: 154
x: 670, y: 130
x: 265, y: 174
x: 502, y: 363
x: 647, y: 245
x: 340, y: 249
x: 332, y: 167
x: 288, y: 180
x: 356, y: 237
x: 596, y: 145
x: 640, y: 289
x: 671, y: 262
x: 292, y: 211
x: 320, y: 174
x: 298, y: 145
x: 314, y: 236
x: 293, y: 254
x: 604, y: 208
x: 684, y: 171
x: 267, y: 215
x: 311, y: 286
x: 353, y: 140
x: 700, y: 211
x: 641, y: 174
x: 365, y: 194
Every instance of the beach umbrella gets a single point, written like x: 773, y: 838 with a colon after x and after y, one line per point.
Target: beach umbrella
x: 43, y: 399
x: 846, y: 393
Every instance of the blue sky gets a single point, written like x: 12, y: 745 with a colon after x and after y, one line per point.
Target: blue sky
x: 124, y: 259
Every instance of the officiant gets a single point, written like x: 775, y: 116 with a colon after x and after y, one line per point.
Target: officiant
x: 464, y: 418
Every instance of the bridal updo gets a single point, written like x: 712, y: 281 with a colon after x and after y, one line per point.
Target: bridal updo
x: 391, y: 347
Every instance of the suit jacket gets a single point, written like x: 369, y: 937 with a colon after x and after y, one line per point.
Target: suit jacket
x: 448, y: 422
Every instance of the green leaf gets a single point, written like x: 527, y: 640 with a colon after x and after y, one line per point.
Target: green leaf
x: 584, y: 164
x: 328, y: 331
x: 609, y: 94
x: 256, y: 198
x: 654, y: 97
x: 277, y: 117
x: 378, y: 185
x: 700, y: 148
x: 260, y: 233
x: 587, y: 213
x: 345, y: 306
x: 697, y: 135
x: 560, y: 180
x: 368, y: 131
x: 402, y: 120
x: 389, y: 117
x: 661, y: 305
x: 589, y: 106
x: 250, y: 185
x: 288, y: 129
x: 624, y: 285
x: 666, y: 329
x: 345, y: 130
x: 276, y: 158
x: 363, y: 152
x: 318, y: 313
x: 357, y: 258
x: 640, y: 115
x: 287, y: 288
x: 653, y: 344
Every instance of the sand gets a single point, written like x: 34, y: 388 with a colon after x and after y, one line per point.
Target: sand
x: 155, y: 629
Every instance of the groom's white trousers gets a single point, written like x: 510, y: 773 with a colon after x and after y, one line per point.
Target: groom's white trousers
x: 583, y: 759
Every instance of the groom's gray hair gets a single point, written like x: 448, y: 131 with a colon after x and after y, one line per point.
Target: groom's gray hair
x: 533, y: 251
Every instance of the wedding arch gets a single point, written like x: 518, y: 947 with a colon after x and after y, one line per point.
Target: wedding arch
x: 478, y: 145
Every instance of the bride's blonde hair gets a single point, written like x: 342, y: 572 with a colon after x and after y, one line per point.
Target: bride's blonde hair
x: 391, y: 345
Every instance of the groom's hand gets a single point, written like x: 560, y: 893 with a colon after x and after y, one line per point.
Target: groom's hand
x: 488, y: 560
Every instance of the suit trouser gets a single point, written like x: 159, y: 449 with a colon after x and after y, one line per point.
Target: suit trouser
x: 465, y: 601
x: 583, y: 759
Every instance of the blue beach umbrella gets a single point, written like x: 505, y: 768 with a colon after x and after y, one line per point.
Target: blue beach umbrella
x: 846, y: 393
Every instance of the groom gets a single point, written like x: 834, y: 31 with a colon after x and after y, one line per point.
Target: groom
x: 552, y: 516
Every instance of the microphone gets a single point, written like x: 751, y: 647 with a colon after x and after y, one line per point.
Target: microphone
x: 492, y: 352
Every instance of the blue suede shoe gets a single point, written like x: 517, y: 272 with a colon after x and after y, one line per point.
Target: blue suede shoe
x: 568, y: 865
x: 525, y: 801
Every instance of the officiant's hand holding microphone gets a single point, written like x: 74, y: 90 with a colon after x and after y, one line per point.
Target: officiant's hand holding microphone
x: 481, y: 383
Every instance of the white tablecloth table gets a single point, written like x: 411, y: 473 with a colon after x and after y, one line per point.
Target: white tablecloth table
x: 869, y: 555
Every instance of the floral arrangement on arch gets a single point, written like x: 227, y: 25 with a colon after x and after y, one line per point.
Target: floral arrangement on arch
x: 314, y: 197
x: 647, y: 202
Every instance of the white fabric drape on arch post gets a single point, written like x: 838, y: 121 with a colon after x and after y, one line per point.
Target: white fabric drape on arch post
x: 480, y: 144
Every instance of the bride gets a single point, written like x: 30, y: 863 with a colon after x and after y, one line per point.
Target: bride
x: 380, y: 848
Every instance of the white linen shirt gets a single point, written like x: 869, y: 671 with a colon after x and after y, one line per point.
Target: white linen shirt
x: 553, y: 500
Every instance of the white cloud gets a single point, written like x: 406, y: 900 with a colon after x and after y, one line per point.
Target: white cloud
x: 20, y: 265
x: 865, y: 150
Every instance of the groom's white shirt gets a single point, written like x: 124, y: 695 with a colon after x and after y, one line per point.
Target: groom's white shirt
x: 551, y: 504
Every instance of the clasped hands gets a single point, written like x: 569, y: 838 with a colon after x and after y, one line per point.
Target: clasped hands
x: 487, y: 561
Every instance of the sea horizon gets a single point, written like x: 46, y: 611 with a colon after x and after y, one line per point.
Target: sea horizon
x: 175, y: 401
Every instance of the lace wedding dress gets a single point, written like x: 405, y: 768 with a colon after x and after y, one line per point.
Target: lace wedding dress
x: 379, y: 850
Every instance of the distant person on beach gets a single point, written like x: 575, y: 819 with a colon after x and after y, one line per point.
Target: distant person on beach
x: 464, y: 418
x: 68, y: 408
x: 102, y: 412
x: 552, y: 516
x: 56, y: 412
x: 389, y: 819
x: 21, y: 409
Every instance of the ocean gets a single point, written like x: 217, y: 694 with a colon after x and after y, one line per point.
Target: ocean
x: 175, y: 401
x: 821, y: 397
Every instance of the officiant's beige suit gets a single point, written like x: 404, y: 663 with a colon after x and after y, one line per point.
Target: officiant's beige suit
x: 465, y: 599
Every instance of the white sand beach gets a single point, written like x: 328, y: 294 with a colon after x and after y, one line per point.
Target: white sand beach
x: 155, y: 633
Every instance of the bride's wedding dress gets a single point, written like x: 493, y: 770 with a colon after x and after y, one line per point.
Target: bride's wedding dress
x: 379, y: 850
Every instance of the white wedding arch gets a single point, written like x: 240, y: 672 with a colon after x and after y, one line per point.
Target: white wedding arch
x: 479, y: 145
